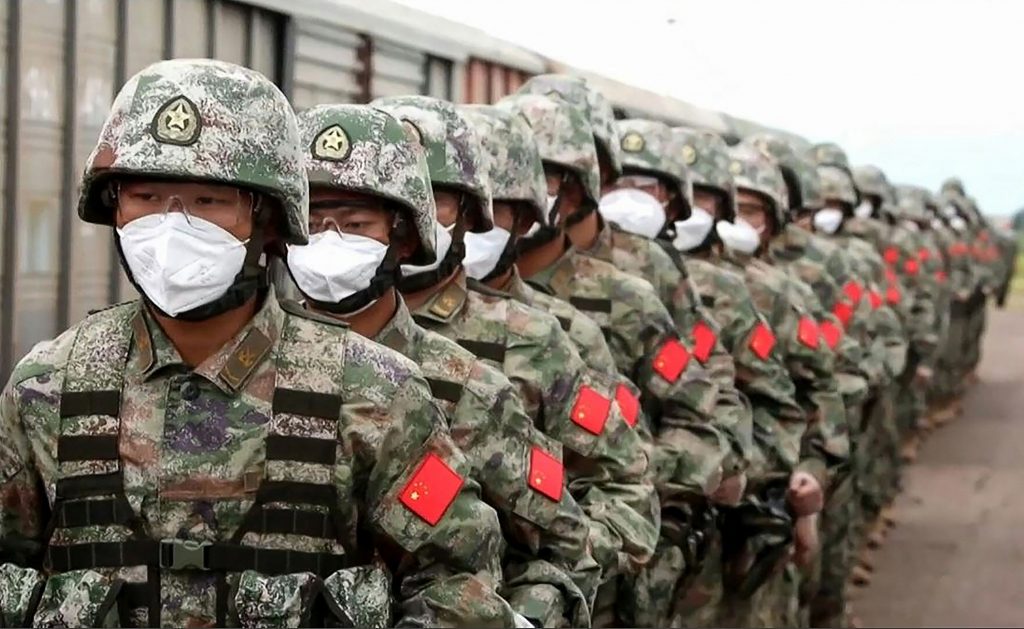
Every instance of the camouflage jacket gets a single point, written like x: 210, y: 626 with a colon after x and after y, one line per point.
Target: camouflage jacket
x: 779, y: 421
x: 677, y: 393
x: 606, y: 463
x: 782, y: 299
x: 902, y: 261
x: 646, y: 259
x: 550, y: 576
x: 287, y: 412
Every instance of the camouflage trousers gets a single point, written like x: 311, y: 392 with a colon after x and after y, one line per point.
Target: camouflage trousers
x: 975, y: 331
x: 910, y: 398
x: 774, y: 604
x: 823, y: 590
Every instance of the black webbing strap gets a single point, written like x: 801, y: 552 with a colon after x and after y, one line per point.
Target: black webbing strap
x: 587, y: 304
x: 307, y: 404
x: 565, y: 323
x: 104, y: 512
x: 89, y: 485
x: 445, y: 390
x: 297, y: 492
x: 101, y: 555
x: 301, y: 449
x: 294, y: 522
x: 484, y: 349
x: 87, y: 448
x: 272, y: 562
x: 77, y: 403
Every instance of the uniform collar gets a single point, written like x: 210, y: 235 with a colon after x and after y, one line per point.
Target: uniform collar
x: 230, y: 367
x: 790, y: 244
x: 400, y: 332
x: 557, y: 278
x: 444, y: 305
x: 604, y: 247
x: 518, y: 289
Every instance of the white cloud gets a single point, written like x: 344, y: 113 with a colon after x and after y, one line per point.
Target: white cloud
x: 923, y: 88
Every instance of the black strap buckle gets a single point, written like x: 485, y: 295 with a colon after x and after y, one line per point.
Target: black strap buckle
x: 183, y: 554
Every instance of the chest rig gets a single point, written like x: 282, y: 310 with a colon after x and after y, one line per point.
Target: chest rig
x: 90, y: 490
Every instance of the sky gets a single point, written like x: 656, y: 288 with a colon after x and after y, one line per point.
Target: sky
x: 924, y: 89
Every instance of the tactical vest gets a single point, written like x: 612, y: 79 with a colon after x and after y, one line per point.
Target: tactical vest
x: 90, y: 407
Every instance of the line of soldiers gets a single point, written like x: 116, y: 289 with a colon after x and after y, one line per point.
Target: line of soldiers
x: 418, y: 364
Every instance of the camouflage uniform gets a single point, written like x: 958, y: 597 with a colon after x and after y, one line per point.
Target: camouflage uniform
x: 587, y: 411
x: 260, y: 487
x: 550, y: 574
x: 677, y: 392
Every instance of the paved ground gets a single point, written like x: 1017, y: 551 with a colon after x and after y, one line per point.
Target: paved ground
x: 956, y: 558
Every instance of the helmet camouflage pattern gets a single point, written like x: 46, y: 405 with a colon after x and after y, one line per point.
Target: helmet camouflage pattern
x: 871, y: 181
x: 515, y: 168
x: 595, y: 107
x: 829, y: 153
x: 912, y: 201
x: 563, y: 137
x: 706, y: 157
x: 837, y: 184
x: 648, y: 147
x: 364, y: 149
x: 800, y: 170
x: 953, y: 185
x: 755, y: 170
x: 199, y: 119
x: 454, y: 155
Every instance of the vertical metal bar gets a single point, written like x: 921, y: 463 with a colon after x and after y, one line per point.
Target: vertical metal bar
x: 449, y: 79
x: 286, y: 61
x: 250, y: 35
x: 10, y: 225
x: 120, y: 76
x: 168, y: 29
x: 427, y: 71
x: 364, y: 77
x: 212, y: 13
x: 67, y: 165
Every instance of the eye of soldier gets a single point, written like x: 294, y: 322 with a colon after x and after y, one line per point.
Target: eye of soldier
x: 368, y: 219
x: 223, y: 205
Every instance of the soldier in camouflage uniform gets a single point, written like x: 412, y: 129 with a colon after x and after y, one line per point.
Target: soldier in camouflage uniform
x: 677, y: 392
x: 208, y: 454
x: 588, y: 411
x: 550, y: 576
x: 792, y: 310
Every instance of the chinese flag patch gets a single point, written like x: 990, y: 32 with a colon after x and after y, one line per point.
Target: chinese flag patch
x: 910, y: 266
x: 875, y: 299
x: 762, y: 341
x: 547, y: 476
x: 431, y: 490
x: 844, y: 312
x: 923, y: 254
x: 591, y: 410
x: 892, y: 295
x: 628, y: 404
x: 807, y: 332
x: 940, y: 275
x: 890, y: 276
x: 892, y: 255
x: 671, y: 360
x: 703, y: 341
x: 831, y: 333
x: 854, y: 291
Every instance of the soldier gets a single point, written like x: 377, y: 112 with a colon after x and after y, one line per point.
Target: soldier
x: 208, y: 454
x: 587, y: 411
x: 372, y: 209
x: 676, y: 391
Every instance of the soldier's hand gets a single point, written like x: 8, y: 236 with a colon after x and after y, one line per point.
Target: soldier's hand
x: 730, y: 492
x: 805, y: 495
x: 923, y: 375
x: 806, y: 533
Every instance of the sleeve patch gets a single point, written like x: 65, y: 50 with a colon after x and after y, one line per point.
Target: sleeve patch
x: 844, y: 312
x: 628, y: 404
x: 590, y: 412
x: 431, y: 489
x: 703, y: 341
x: 910, y: 266
x: 547, y: 475
x: 876, y: 299
x: 892, y: 255
x: 762, y: 341
x: 940, y: 276
x: 671, y: 360
x: 854, y: 291
x: 831, y: 333
x: 892, y: 295
x: 807, y: 332
x: 923, y: 254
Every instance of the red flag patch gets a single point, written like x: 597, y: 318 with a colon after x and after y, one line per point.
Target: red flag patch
x: 807, y: 332
x: 762, y: 341
x: 671, y: 360
x: 431, y: 490
x: 854, y: 291
x: 890, y: 276
x: 923, y: 254
x: 628, y: 404
x: 547, y: 475
x: 940, y: 276
x: 910, y: 266
x: 591, y: 410
x: 892, y: 295
x: 703, y: 341
x: 844, y: 312
x: 875, y: 299
x: 892, y: 255
x: 831, y: 332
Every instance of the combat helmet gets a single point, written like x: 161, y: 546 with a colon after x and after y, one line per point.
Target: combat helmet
x: 803, y: 184
x: 755, y: 170
x: 911, y: 201
x: 837, y: 185
x: 706, y: 156
x: 648, y: 148
x: 829, y: 154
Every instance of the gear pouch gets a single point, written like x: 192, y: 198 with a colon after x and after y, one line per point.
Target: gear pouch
x: 79, y: 598
x: 20, y: 589
x: 359, y: 597
x: 281, y: 601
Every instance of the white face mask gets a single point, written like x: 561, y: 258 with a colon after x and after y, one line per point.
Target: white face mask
x: 181, y: 263
x: 739, y: 236
x: 483, y: 251
x: 635, y: 211
x: 911, y: 226
x: 864, y: 210
x: 444, y: 243
x: 958, y: 223
x: 948, y: 211
x: 936, y: 224
x: 692, y: 232
x: 827, y: 220
x: 334, y: 266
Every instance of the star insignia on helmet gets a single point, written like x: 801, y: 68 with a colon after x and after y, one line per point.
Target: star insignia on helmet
x: 689, y: 155
x: 412, y: 131
x: 736, y: 168
x: 177, y: 122
x: 332, y: 144
x: 632, y: 142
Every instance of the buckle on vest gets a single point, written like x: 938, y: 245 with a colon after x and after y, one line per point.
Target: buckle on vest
x: 183, y: 554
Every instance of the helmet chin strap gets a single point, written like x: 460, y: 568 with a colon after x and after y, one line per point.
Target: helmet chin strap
x: 546, y: 233
x: 384, y: 279
x: 449, y: 264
